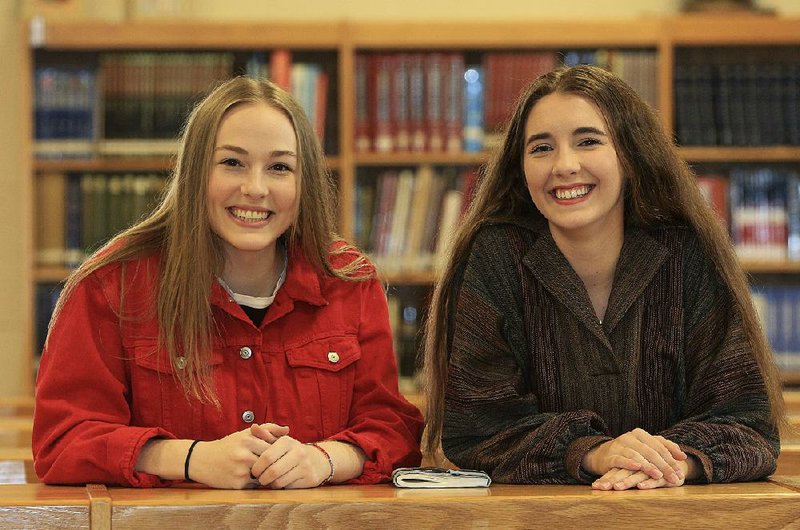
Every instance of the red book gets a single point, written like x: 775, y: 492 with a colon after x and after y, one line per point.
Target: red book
x: 321, y: 106
x: 715, y: 190
x: 416, y: 102
x: 382, y: 129
x: 400, y: 102
x: 280, y: 68
x: 435, y: 100
x: 363, y: 134
x: 454, y: 101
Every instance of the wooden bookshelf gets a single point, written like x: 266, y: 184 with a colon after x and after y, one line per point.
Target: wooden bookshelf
x: 346, y: 40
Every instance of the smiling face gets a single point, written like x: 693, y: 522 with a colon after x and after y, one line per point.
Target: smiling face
x: 571, y: 167
x: 252, y: 188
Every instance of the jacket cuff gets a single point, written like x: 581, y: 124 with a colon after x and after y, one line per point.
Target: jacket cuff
x: 131, y: 454
x: 576, y: 450
x: 706, y: 471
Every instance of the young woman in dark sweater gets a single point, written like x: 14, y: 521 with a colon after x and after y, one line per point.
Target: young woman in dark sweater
x: 593, y: 324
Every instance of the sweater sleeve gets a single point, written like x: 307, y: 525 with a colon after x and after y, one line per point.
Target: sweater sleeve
x: 81, y: 428
x: 492, y: 419
x: 726, y: 421
x: 382, y: 422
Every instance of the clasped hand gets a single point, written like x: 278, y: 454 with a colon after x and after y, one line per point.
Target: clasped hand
x: 262, y: 455
x: 637, y: 459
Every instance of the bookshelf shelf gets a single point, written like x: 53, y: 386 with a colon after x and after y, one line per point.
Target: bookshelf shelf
x: 158, y: 163
x: 771, y: 267
x: 340, y: 44
x: 742, y: 154
x: 185, y: 36
x: 415, y: 159
x: 791, y: 378
x: 51, y: 274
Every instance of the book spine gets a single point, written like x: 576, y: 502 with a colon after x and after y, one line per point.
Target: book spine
x: 434, y: 100
x: 50, y: 197
x: 363, y: 139
x: 473, y: 109
x: 383, y: 139
x: 453, y: 105
x: 280, y: 68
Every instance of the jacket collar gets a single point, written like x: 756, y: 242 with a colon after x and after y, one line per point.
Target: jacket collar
x: 632, y: 275
x: 302, y: 284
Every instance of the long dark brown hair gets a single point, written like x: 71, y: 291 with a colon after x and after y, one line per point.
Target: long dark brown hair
x: 191, y: 254
x: 660, y: 189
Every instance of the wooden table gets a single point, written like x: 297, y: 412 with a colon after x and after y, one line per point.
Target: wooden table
x: 772, y: 504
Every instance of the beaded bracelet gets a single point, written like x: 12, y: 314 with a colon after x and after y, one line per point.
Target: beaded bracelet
x: 330, y: 462
x: 186, y: 462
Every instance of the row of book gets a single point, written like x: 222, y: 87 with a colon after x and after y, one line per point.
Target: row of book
x: 134, y: 103
x: 737, y: 97
x: 308, y: 82
x: 761, y: 208
x: 403, y: 217
x: 779, y: 310
x: 81, y: 211
x: 440, y: 101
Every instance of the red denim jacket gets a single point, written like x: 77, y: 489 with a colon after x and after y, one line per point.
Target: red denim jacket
x: 321, y: 362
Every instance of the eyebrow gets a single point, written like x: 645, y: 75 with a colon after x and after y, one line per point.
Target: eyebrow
x: 242, y: 151
x: 579, y: 130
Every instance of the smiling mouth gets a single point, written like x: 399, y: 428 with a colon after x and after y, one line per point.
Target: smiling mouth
x: 572, y: 193
x: 250, y: 216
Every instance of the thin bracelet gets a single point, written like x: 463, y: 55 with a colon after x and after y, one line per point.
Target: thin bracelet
x: 330, y: 463
x: 186, y: 462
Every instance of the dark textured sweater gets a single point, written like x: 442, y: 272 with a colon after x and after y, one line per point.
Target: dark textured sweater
x: 535, y: 380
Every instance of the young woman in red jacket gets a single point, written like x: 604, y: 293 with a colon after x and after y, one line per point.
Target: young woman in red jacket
x: 229, y: 338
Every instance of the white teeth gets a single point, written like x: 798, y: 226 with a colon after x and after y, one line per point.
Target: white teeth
x: 572, y: 193
x: 249, y: 215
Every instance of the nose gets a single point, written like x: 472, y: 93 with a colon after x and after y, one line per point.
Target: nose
x: 255, y: 184
x: 566, y: 162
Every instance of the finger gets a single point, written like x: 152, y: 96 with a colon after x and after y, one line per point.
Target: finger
x: 291, y: 476
x: 277, y: 460
x: 631, y: 481
x: 674, y: 449
x: 256, y: 445
x: 658, y: 455
x: 268, y: 457
x: 651, y: 483
x: 613, y: 475
x: 274, y: 475
x: 269, y: 432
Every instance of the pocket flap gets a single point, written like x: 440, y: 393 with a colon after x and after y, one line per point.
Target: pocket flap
x: 146, y: 354
x: 331, y: 353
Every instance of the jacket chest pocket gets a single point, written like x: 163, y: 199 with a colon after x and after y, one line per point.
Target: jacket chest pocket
x: 323, y: 372
x: 157, y: 396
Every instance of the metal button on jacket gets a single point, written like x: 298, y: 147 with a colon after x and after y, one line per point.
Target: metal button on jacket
x: 248, y: 416
x: 245, y: 352
x: 333, y: 357
x: 180, y: 363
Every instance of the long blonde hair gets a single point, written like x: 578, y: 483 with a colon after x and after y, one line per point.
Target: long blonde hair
x: 660, y: 188
x: 191, y: 254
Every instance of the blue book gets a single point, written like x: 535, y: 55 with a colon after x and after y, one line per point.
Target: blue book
x: 65, y: 111
x: 473, y: 109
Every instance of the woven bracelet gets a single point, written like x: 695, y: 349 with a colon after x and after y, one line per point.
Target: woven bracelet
x: 330, y: 462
